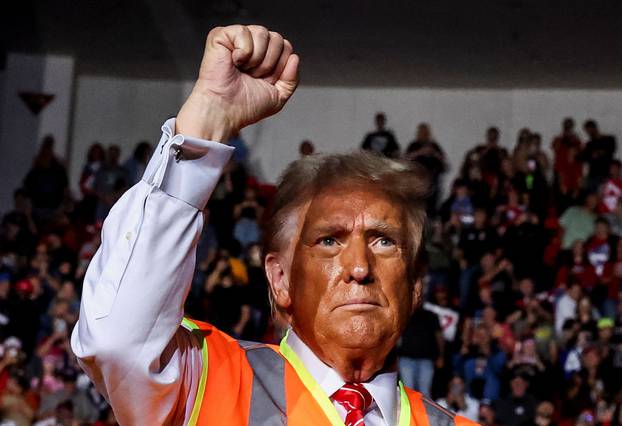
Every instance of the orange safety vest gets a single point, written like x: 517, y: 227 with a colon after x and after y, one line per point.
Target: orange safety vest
x: 244, y: 383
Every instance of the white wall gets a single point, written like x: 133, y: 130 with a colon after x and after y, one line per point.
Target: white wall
x: 336, y: 119
x: 21, y: 130
x: 121, y: 112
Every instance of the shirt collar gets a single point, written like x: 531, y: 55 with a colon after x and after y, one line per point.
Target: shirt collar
x: 383, y: 386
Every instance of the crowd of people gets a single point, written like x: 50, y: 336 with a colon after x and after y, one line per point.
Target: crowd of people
x: 521, y: 322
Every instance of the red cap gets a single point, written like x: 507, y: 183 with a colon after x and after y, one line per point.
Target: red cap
x: 24, y: 286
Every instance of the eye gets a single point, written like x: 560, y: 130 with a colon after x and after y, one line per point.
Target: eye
x: 327, y: 241
x: 386, y: 242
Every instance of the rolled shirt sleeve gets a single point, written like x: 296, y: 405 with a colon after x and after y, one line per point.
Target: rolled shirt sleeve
x: 128, y: 337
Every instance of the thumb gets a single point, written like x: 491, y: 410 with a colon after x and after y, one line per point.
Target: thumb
x: 288, y: 80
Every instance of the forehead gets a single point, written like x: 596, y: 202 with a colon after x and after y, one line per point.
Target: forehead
x: 350, y: 204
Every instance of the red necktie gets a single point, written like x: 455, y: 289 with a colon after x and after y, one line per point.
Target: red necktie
x: 356, y: 400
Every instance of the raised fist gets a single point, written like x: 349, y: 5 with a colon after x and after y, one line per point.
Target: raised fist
x: 247, y: 73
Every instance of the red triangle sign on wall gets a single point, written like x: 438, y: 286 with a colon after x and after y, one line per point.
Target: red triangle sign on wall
x: 36, y: 101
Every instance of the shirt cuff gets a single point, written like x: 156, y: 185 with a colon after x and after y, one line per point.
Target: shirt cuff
x: 186, y: 168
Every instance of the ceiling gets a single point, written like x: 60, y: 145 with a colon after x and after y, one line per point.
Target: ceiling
x: 435, y: 43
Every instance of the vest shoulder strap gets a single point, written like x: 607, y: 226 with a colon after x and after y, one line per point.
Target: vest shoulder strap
x: 268, y: 406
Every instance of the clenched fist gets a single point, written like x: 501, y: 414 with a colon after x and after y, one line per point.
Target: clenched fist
x: 247, y: 73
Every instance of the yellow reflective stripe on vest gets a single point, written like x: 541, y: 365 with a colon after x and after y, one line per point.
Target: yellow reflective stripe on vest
x: 192, y: 327
x: 320, y: 396
x: 307, y: 379
x: 404, y: 406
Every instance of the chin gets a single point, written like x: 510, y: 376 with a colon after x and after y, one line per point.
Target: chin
x: 361, y: 332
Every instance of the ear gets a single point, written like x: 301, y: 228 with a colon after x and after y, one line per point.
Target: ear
x: 278, y: 277
x: 417, y: 295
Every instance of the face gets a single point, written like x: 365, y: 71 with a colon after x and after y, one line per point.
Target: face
x: 492, y: 135
x: 526, y: 287
x: 591, y: 201
x: 519, y: 386
x: 568, y: 125
x: 349, y: 285
x: 591, y: 131
x: 480, y: 218
x: 423, y: 132
x: 602, y: 230
x: 381, y: 121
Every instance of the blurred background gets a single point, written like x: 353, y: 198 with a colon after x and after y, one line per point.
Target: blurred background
x: 514, y: 106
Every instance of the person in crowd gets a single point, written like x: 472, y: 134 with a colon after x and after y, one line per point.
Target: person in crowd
x: 95, y: 159
x: 306, y: 147
x: 545, y: 412
x: 136, y: 164
x: 519, y: 407
x: 459, y: 401
x: 427, y: 152
x: 421, y: 351
x: 18, y: 230
x: 46, y: 182
x: 566, y: 307
x: 491, y: 156
x: 578, y: 221
x: 246, y: 230
x: 475, y: 241
x: 565, y: 147
x: 567, y: 164
x: 13, y: 403
x: 110, y: 182
x: 257, y: 291
x: 481, y: 363
x: 381, y: 141
x: 241, y: 153
x: 598, y: 153
x: 611, y: 189
x: 227, y: 300
x: 461, y: 205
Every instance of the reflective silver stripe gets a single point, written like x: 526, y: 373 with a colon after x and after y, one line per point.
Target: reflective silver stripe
x: 268, y: 395
x: 437, y: 415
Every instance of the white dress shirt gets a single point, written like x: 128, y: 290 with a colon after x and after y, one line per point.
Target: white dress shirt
x: 128, y: 338
x: 383, y: 387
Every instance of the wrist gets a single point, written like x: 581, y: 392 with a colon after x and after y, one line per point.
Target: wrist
x: 202, y: 117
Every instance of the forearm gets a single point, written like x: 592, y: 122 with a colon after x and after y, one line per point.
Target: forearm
x: 136, y: 284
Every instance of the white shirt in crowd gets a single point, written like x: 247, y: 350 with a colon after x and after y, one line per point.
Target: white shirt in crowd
x: 470, y: 410
x: 128, y: 337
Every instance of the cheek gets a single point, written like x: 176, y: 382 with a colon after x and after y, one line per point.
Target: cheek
x: 396, y: 288
x: 312, y: 277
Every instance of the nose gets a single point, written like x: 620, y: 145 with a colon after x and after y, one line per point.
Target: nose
x: 356, y: 262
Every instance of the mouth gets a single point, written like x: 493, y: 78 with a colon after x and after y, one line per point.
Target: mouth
x: 360, y: 304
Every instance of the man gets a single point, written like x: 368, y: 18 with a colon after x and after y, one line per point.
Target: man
x: 611, y: 190
x: 306, y: 147
x: 342, y: 262
x: 458, y: 400
x: 566, y: 307
x: 597, y: 153
x: 381, y: 141
x: 427, y: 152
x: 519, y: 407
x: 421, y: 350
x: 578, y: 221
x: 110, y: 182
x: 567, y: 167
x: 491, y: 154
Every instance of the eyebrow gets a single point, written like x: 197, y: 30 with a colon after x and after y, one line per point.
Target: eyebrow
x: 375, y: 228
